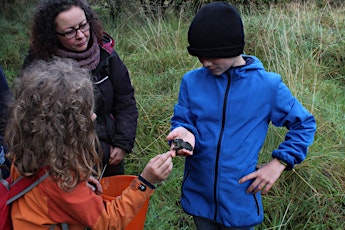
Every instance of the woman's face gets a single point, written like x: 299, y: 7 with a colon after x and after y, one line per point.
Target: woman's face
x: 73, y: 29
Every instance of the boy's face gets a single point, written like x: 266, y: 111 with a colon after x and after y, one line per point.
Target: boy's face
x: 219, y: 65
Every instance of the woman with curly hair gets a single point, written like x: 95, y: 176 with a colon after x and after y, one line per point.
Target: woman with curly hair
x: 71, y: 29
x: 51, y: 126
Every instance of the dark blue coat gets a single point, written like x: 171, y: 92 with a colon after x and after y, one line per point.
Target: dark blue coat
x: 4, y: 96
x: 5, y: 93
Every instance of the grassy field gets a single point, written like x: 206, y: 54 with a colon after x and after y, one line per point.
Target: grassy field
x: 305, y: 43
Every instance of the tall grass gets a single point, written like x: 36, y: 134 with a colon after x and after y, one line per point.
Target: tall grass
x: 305, y: 45
x: 14, y: 37
x: 302, y: 42
x: 299, y: 41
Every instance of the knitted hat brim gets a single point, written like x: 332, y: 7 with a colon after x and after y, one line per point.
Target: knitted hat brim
x: 221, y: 52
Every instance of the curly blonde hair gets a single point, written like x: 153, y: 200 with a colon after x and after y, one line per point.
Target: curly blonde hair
x: 50, y: 122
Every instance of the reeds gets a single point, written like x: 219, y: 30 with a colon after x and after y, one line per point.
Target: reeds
x: 301, y: 41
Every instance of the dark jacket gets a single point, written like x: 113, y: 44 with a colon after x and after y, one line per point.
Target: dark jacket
x: 5, y: 94
x: 116, y: 109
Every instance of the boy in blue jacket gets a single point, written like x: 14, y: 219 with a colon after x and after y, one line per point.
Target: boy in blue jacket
x: 224, y: 110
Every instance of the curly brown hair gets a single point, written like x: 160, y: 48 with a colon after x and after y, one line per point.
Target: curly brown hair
x: 50, y: 122
x: 44, y: 41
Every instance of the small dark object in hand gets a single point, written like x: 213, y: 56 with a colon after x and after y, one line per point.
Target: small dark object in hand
x: 180, y: 144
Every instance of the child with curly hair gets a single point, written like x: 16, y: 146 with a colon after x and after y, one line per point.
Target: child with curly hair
x: 51, y: 125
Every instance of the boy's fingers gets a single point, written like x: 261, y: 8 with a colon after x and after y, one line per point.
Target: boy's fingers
x: 172, y: 135
x: 248, y: 177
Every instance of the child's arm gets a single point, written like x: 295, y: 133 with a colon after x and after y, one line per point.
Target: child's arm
x: 83, y: 207
x: 265, y: 177
x: 288, y: 112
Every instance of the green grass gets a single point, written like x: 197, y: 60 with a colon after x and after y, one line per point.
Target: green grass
x: 302, y: 42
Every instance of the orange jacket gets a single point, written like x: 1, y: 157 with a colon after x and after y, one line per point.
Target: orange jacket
x: 47, y: 204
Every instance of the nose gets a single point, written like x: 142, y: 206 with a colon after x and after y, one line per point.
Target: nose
x: 79, y: 33
x: 205, y: 62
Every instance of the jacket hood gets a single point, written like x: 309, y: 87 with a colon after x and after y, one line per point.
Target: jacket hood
x: 107, y: 43
x: 238, y: 72
x: 252, y: 63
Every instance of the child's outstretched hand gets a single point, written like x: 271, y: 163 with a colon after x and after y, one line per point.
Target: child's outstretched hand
x: 187, y: 137
x: 158, y: 168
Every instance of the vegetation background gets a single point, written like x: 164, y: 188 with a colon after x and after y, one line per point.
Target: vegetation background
x: 304, y: 41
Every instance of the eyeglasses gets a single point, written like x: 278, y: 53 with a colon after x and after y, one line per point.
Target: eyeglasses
x: 73, y: 32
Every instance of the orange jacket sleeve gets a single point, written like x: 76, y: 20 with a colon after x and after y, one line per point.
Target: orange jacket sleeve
x: 47, y: 204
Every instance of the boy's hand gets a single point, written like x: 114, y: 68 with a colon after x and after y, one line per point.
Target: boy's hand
x: 186, y: 136
x: 264, y: 177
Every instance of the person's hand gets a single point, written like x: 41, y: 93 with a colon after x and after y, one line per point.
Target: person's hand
x: 264, y: 177
x: 158, y: 168
x: 116, y: 155
x: 94, y: 185
x: 185, y: 135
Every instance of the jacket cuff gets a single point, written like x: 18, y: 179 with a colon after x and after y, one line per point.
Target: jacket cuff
x: 146, y: 182
x: 287, y: 165
x: 142, y: 187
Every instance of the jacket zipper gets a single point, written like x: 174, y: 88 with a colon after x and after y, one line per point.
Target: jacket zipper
x: 220, y: 143
x: 257, y: 204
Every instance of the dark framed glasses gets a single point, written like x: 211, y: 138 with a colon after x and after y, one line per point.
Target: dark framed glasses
x: 73, y: 32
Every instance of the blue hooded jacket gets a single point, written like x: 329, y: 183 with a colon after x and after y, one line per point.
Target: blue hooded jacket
x: 229, y: 115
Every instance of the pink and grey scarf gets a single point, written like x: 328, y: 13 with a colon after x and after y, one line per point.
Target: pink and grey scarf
x: 88, y: 59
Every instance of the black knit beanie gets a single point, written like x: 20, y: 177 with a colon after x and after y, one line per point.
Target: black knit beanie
x: 216, y: 32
